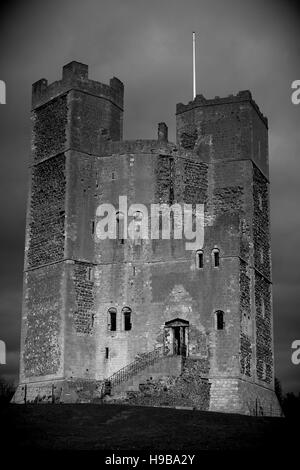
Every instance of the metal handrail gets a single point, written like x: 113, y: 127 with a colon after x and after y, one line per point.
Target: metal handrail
x: 132, y: 369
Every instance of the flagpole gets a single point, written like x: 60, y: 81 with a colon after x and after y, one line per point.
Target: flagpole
x: 194, y: 65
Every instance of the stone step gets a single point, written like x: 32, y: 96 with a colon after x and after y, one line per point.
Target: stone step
x: 166, y: 366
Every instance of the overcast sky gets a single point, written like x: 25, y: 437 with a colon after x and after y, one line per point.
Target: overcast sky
x: 147, y: 44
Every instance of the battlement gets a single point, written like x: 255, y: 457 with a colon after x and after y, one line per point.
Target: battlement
x: 75, y: 76
x: 240, y: 97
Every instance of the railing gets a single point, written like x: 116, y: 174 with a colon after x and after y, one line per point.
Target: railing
x: 131, y: 369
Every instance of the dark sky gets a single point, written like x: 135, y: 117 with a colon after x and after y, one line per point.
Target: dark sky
x: 147, y: 44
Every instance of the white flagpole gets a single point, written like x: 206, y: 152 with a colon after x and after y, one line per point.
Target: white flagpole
x: 194, y: 65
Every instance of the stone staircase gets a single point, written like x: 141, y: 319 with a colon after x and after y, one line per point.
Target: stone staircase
x: 172, y: 381
x: 151, y: 365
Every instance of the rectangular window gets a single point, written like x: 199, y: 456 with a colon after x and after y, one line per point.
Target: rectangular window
x: 106, y: 353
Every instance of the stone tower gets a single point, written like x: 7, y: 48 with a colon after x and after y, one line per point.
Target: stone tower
x: 194, y: 328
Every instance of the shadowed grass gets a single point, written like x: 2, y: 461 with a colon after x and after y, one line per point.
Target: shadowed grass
x: 119, y: 427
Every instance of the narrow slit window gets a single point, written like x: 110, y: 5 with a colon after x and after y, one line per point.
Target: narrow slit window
x: 263, y: 308
x: 261, y: 255
x: 120, y: 227
x: 89, y: 274
x: 93, y: 227
x: 106, y: 353
x: 260, y: 202
x: 264, y: 371
x: 199, y: 259
x: 160, y: 222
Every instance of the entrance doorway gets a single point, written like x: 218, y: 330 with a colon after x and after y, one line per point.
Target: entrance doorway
x: 176, y: 337
x: 177, y: 340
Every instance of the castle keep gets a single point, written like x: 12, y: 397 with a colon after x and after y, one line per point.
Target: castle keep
x: 147, y: 321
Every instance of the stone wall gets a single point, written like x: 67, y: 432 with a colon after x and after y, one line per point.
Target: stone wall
x: 58, y: 391
x: 246, y: 321
x: 47, y: 212
x: 190, y: 389
x: 261, y: 231
x: 49, y: 128
x: 195, y: 182
x: 257, y: 400
x: 38, y: 392
x: 42, y: 355
x: 229, y: 199
x: 164, y: 172
x: 85, y: 307
x: 262, y: 280
x: 232, y: 395
x: 264, y: 353
x: 93, y: 121
x: 228, y: 124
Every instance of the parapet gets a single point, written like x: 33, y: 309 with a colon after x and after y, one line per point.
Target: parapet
x: 75, y: 77
x: 240, y: 97
x: 139, y: 146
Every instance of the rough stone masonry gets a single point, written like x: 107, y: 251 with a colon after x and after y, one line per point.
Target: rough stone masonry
x: 92, y: 309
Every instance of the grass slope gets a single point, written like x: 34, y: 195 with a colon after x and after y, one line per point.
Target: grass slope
x: 118, y: 427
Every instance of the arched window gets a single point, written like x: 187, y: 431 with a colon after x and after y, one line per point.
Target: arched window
x: 220, y: 323
x: 127, y: 318
x: 199, y: 259
x: 120, y: 227
x: 112, y: 319
x: 216, y: 257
